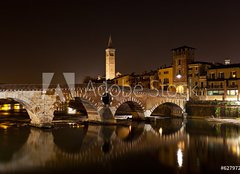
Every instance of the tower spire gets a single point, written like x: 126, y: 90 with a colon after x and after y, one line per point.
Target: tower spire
x: 110, y: 42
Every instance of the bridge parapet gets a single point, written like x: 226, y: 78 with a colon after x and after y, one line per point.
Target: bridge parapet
x: 40, y: 104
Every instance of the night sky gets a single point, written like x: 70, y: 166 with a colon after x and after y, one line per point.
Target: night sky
x: 71, y: 36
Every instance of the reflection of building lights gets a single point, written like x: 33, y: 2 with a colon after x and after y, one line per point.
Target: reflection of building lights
x: 160, y: 131
x: 235, y: 150
x: 71, y: 111
x: 3, y: 126
x: 181, y: 145
x: 179, y: 157
x: 130, y: 128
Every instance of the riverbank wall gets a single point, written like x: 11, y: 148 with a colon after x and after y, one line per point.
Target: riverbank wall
x: 213, y: 108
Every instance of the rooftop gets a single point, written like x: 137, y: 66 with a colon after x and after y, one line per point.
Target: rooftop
x: 226, y: 66
x: 200, y: 62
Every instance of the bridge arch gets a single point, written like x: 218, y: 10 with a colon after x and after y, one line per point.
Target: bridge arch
x: 70, y: 140
x: 130, y: 106
x: 91, y: 109
x: 169, y: 108
x: 27, y: 104
x: 130, y: 133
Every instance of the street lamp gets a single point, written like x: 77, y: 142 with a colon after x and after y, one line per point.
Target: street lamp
x: 179, y: 76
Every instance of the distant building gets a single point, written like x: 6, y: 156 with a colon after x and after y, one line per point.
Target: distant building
x: 146, y: 80
x: 123, y: 80
x: 223, y: 82
x: 165, y: 75
x: 200, y: 80
x: 110, y: 60
x: 197, y: 77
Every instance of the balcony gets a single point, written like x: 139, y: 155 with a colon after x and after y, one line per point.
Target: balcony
x: 221, y: 87
x: 232, y: 86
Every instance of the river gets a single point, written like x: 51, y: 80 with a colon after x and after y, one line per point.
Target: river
x: 166, y: 146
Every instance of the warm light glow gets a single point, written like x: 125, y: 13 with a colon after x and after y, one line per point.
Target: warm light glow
x: 160, y: 131
x: 180, y: 157
x: 179, y: 76
x: 235, y: 149
x: 180, y: 89
x: 130, y: 128
x: 181, y: 145
x: 6, y: 107
x: 3, y: 126
x: 123, y: 132
x: 16, y: 106
x: 71, y: 111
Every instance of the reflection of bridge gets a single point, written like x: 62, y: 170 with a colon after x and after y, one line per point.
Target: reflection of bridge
x: 94, y: 145
x: 41, y: 105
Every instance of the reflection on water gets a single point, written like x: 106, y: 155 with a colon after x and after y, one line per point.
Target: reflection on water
x: 167, y: 145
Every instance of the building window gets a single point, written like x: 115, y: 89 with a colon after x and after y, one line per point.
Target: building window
x: 233, y: 84
x: 232, y: 92
x: 233, y: 74
x: 166, y: 81
x: 201, y: 84
x: 221, y: 75
x: 196, y: 68
x: 215, y: 92
x: 213, y: 76
x: 166, y: 72
x: 211, y: 85
x: 179, y: 62
x: 179, y: 71
x: 196, y: 83
x: 221, y: 85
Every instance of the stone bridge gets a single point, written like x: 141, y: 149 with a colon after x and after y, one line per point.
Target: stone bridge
x: 101, y: 103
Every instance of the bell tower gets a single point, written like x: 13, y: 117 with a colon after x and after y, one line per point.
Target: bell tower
x: 182, y: 56
x: 110, y: 60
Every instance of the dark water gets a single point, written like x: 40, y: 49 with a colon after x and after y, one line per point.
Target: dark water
x: 166, y: 146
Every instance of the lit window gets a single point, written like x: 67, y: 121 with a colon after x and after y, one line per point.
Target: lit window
x: 215, y: 92
x: 233, y: 74
x: 232, y: 92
